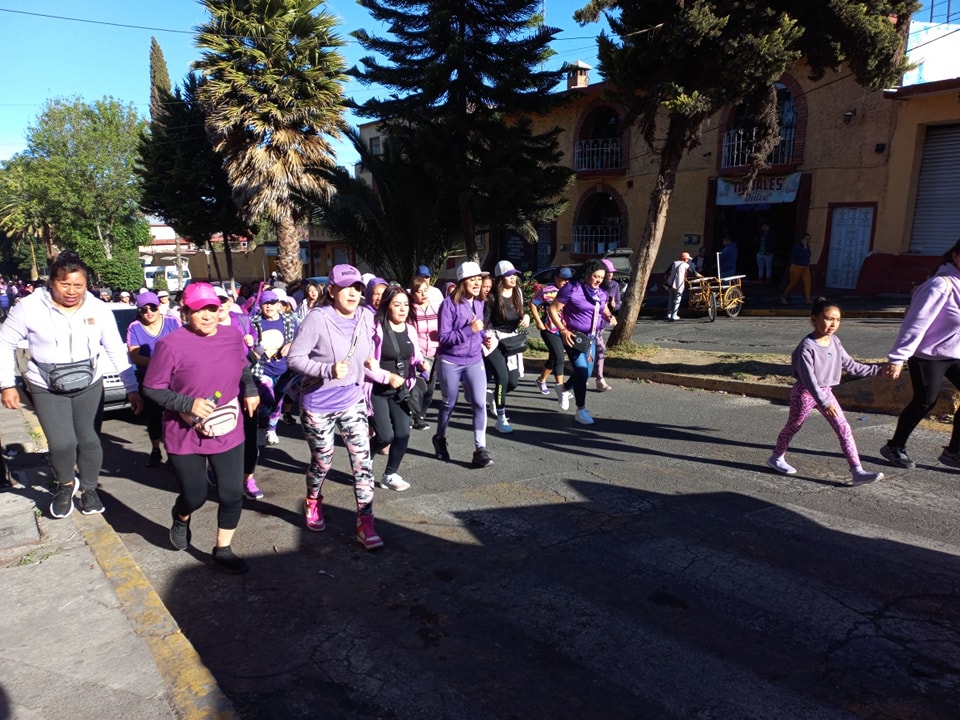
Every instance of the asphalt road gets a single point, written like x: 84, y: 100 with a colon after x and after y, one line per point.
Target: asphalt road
x: 649, y: 566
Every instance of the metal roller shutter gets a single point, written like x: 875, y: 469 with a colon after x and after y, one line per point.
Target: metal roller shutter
x: 936, y: 217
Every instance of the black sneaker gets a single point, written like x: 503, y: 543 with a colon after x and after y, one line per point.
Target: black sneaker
x: 897, y: 456
x: 232, y: 564
x: 420, y: 424
x: 62, y: 503
x: 155, y: 458
x: 179, y: 531
x: 949, y: 457
x: 481, y: 458
x: 90, y: 503
x: 288, y: 419
x: 440, y: 448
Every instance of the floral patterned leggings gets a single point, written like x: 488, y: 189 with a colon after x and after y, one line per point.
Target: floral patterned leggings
x: 801, y: 403
x: 319, y: 429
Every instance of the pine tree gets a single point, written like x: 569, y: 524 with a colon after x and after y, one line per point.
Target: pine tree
x: 159, y: 78
x: 465, y: 78
x: 678, y: 63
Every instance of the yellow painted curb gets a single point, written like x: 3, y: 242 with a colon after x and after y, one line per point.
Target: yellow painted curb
x: 193, y: 690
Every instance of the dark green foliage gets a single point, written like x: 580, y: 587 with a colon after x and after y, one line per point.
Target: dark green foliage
x: 462, y: 73
x: 183, y: 179
x: 159, y: 79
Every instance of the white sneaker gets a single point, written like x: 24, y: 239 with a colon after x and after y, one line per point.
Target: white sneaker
x: 503, y: 425
x: 393, y: 481
x: 270, y: 437
x: 862, y: 477
x: 563, y: 397
x: 491, y: 404
x: 583, y: 416
x: 778, y: 463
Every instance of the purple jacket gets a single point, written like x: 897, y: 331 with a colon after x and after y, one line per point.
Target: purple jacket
x: 459, y: 343
x: 930, y: 327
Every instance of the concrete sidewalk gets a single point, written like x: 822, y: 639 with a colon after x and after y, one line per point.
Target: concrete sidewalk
x: 84, y: 633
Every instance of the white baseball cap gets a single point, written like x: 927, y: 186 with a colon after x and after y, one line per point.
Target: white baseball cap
x: 469, y: 269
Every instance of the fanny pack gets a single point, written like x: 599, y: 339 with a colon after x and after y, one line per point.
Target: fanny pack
x: 219, y: 422
x: 67, y: 377
x: 513, y: 344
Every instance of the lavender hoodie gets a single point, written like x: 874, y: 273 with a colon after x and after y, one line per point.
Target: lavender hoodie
x: 319, y: 345
x: 459, y: 344
x: 931, y: 327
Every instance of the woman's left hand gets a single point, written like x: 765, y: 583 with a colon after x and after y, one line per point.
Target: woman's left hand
x: 525, y: 323
x: 136, y: 402
x: 11, y: 398
x: 250, y: 404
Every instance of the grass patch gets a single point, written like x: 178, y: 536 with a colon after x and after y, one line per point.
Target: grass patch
x: 628, y: 349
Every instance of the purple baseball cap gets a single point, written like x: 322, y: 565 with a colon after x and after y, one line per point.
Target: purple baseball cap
x: 268, y: 296
x: 147, y: 298
x: 345, y: 275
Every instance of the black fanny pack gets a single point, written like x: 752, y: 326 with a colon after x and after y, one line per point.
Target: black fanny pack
x: 67, y: 377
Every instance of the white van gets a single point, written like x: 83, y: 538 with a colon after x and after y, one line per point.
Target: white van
x: 174, y: 283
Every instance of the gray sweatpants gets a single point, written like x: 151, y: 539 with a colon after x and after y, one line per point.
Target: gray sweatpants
x: 71, y: 424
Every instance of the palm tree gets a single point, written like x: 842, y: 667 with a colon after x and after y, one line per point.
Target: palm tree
x: 274, y: 97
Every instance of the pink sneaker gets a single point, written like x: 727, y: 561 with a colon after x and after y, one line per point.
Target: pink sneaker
x: 314, y: 514
x: 366, y: 535
x: 251, y: 490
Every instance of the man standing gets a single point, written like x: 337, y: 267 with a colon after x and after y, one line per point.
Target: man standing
x: 765, y: 246
x: 675, y: 281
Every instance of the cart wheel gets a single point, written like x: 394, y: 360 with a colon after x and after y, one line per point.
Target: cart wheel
x: 733, y: 301
x: 712, y: 307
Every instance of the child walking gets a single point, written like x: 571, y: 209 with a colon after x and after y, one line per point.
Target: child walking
x: 817, y: 365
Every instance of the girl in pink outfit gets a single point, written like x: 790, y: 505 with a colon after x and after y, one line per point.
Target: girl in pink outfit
x: 818, y: 363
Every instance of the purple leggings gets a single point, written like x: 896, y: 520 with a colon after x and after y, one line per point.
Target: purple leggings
x: 474, y: 378
x: 801, y: 403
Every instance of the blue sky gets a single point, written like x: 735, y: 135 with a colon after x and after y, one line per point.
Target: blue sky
x: 44, y: 57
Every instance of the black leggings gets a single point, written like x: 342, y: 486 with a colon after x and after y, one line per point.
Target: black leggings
x: 926, y: 377
x: 191, y: 471
x: 392, y: 426
x: 556, y: 354
x: 504, y: 380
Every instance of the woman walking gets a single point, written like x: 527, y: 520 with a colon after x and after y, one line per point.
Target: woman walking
x: 142, y: 336
x: 579, y: 309
x: 67, y: 329
x: 539, y: 309
x: 612, y: 288
x: 312, y: 296
x: 818, y: 362
x: 200, y: 375
x: 930, y: 345
x: 425, y: 311
x: 799, y: 270
x: 331, y: 350
x: 398, y: 356
x: 461, y: 338
x: 506, y: 317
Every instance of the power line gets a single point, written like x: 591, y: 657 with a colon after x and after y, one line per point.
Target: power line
x: 96, y: 22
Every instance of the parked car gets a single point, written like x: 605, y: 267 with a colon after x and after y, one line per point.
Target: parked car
x: 619, y: 258
x: 169, y: 272
x: 114, y: 394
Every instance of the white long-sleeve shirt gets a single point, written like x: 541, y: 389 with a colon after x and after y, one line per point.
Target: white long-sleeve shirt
x: 54, y: 336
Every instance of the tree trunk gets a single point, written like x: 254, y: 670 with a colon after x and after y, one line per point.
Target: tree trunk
x: 228, y: 256
x: 469, y: 229
x: 288, y: 255
x: 216, y: 263
x: 682, y: 132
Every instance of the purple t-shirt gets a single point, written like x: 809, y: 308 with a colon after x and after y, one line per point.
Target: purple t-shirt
x: 579, y: 311
x: 198, y: 366
x: 138, y: 336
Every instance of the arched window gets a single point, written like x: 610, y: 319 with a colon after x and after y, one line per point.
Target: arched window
x: 598, y: 141
x: 739, y: 137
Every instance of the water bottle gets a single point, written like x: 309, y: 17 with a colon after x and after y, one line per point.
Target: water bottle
x: 215, y: 399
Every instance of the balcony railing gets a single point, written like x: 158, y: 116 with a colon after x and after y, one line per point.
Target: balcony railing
x: 595, y: 239
x: 738, y: 143
x: 599, y: 154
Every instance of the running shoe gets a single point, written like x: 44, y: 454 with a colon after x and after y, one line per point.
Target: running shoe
x: 584, y: 417
x: 897, y: 456
x: 179, y: 531
x: 949, y: 457
x: 481, y: 458
x: 270, y: 437
x: 778, y: 463
x: 90, y: 503
x: 564, y: 397
x: 155, y: 459
x: 542, y: 386
x: 503, y: 425
x: 392, y: 481
x: 62, y: 503
x: 226, y: 559
x: 251, y: 490
x: 313, y: 512
x: 440, y: 448
x: 366, y: 534
x: 862, y: 477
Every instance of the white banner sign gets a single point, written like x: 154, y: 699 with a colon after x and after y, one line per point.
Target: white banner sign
x: 766, y: 189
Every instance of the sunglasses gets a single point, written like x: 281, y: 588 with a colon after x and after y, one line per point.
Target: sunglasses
x: 149, y: 308
x: 269, y: 302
